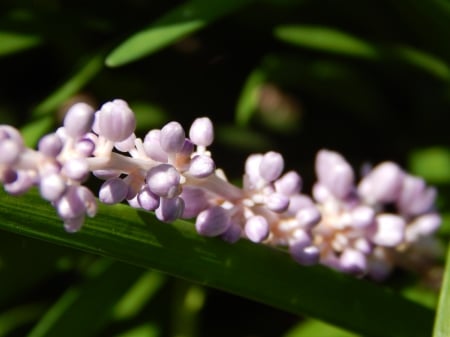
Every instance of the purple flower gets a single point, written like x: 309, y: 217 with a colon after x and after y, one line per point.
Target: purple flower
x: 170, y: 209
x: 78, y: 120
x: 113, y: 191
x: 152, y: 146
x: 212, y: 221
x: 257, y: 228
x: 164, y: 181
x: 201, y: 166
x: 172, y: 137
x: 202, y: 132
x: 116, y: 121
x: 271, y: 166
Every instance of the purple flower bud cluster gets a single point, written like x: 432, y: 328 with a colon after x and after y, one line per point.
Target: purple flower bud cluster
x: 365, y: 226
x: 356, y: 228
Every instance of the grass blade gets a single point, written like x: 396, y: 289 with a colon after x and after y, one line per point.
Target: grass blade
x: 178, y: 23
x: 249, y: 270
x: 442, y: 323
x: 12, y: 42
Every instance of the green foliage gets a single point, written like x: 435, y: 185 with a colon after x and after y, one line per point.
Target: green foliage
x: 367, y: 78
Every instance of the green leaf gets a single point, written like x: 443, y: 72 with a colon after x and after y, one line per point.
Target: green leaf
x: 334, y: 41
x: 433, y: 164
x: 250, y: 270
x: 12, y: 42
x: 176, y: 24
x: 83, y: 310
x: 34, y: 130
x: 442, y: 323
x: 144, y: 330
x: 18, y: 316
x: 311, y: 328
x: 326, y: 39
x: 248, y: 101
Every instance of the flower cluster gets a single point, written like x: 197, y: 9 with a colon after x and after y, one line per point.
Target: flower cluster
x: 357, y: 228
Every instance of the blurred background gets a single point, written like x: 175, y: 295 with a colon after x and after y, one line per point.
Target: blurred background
x: 367, y: 78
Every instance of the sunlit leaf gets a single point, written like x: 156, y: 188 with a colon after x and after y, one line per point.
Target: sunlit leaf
x: 442, y: 323
x: 13, y: 42
x: 250, y: 270
x: 176, y: 24
x: 249, y: 98
x: 433, y: 164
x: 310, y: 328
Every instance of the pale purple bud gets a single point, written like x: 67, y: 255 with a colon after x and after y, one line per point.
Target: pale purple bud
x: 389, y: 230
x: 423, y: 225
x: 77, y: 169
x: 73, y: 225
x: 334, y: 173
x: 8, y: 176
x: 89, y: 200
x: 187, y: 149
x: 113, y: 191
x: 50, y: 145
x: 85, y: 147
x: 257, y: 228
x: 52, y: 186
x: 164, y: 181
x: 106, y: 174
x: 320, y: 193
x: 202, y: 132
x: 134, y: 202
x: 308, y: 217
x: 277, y: 202
x: 79, y: 119
x: 21, y: 184
x: 71, y: 205
x: 362, y: 216
x: 289, y: 184
x: 232, y: 234
x: 415, y: 197
x: 298, y: 202
x: 8, y: 132
x: 170, y: 209
x: 252, y: 169
x: 152, y: 146
x: 10, y: 151
x: 201, y: 166
x: 383, y: 184
x: 172, y: 137
x: 212, y: 221
x: 353, y: 261
x: 195, y: 201
x: 127, y: 144
x: 302, y: 251
x: 271, y: 166
x: 116, y: 121
x: 363, y: 245
x: 147, y: 200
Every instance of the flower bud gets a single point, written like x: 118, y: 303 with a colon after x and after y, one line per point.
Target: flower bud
x: 362, y: 216
x: 353, y: 261
x: 164, y: 181
x: 201, y: 166
x: 152, y: 146
x: 147, y: 200
x: 170, y: 209
x: 334, y: 173
x: 302, y: 250
x: 415, y: 197
x: 308, y: 217
x: 77, y: 169
x: 232, y: 234
x: 113, y: 191
x: 202, y: 132
x: 116, y: 121
x: 271, y: 166
x: 50, y: 145
x: 73, y: 225
x: 10, y: 151
x: 383, y: 184
x: 277, y: 202
x: 127, y: 144
x: 195, y: 201
x: 389, y: 230
x: 212, y: 221
x: 21, y: 184
x: 71, y: 205
x: 256, y: 228
x: 78, y: 120
x: 52, y: 186
x: 172, y: 137
x: 289, y: 184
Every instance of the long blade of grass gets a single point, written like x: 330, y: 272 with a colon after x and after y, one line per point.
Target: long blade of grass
x: 13, y: 42
x: 442, y: 323
x: 253, y: 271
x: 178, y: 23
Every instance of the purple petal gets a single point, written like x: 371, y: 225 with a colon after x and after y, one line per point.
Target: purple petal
x: 152, y: 146
x: 172, y: 137
x: 271, y: 166
x: 289, y: 184
x: 79, y: 119
x: 164, y: 181
x: 201, y: 166
x: 52, y: 186
x: 389, y: 230
x: 116, y: 121
x: 50, y: 145
x: 170, y: 209
x: 113, y: 191
x: 147, y: 200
